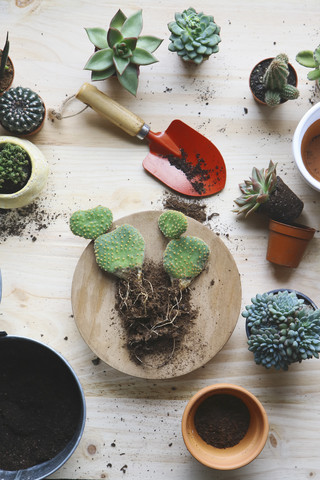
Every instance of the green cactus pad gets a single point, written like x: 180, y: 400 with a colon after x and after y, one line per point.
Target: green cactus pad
x: 173, y: 224
x: 185, y: 258
x: 121, y: 251
x: 91, y: 223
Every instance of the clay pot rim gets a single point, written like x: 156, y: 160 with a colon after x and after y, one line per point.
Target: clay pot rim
x: 194, y: 447
x: 291, y: 67
x: 293, y: 230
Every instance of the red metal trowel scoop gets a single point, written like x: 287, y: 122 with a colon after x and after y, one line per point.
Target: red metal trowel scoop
x: 180, y: 157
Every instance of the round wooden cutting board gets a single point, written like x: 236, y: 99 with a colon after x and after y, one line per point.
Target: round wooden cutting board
x: 215, y: 293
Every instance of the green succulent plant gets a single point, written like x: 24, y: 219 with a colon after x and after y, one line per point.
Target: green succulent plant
x: 14, y: 167
x: 310, y: 59
x: 275, y: 81
x: 283, y: 329
x: 194, y: 36
x: 185, y: 258
x: 172, y: 224
x: 92, y: 222
x: 120, y: 50
x: 4, y: 56
x: 21, y: 110
x: 121, y: 251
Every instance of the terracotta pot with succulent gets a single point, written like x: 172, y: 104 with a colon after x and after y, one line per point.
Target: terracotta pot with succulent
x: 311, y: 59
x: 155, y: 315
x: 283, y: 327
x: 120, y: 51
x: 273, y: 81
x: 6, y: 67
x: 23, y: 172
x: 266, y: 193
x: 194, y: 36
x: 22, y: 111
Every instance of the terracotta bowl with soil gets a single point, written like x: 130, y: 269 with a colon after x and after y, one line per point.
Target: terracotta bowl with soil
x: 42, y: 409
x: 224, y: 426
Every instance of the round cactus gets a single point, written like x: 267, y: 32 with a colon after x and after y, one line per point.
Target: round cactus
x: 185, y: 258
x: 21, y: 110
x: 172, y: 224
x: 121, y: 251
x: 91, y: 223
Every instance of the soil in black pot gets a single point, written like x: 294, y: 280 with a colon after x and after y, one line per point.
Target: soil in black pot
x: 155, y: 315
x: 222, y: 420
x: 39, y: 406
x: 256, y: 79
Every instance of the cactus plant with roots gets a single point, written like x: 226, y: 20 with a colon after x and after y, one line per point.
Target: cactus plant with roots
x: 172, y: 224
x: 283, y: 329
x: 91, y: 223
x: 194, y: 36
x: 275, y: 81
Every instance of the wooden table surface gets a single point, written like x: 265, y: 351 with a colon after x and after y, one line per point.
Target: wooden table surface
x: 133, y: 425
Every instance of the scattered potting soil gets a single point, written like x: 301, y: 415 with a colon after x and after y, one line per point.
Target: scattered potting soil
x: 155, y: 315
x: 256, y: 78
x: 222, y: 420
x: 192, y: 208
x: 283, y: 204
x: 39, y: 408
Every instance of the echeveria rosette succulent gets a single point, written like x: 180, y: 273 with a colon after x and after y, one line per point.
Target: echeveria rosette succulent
x: 120, y: 50
x: 283, y: 330
x: 310, y: 59
x: 194, y: 36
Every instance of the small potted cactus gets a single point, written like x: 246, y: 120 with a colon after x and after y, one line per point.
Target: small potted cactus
x: 194, y: 36
x: 6, y: 67
x: 120, y: 51
x: 23, y: 172
x: 283, y: 327
x: 273, y: 81
x: 311, y: 59
x: 22, y: 111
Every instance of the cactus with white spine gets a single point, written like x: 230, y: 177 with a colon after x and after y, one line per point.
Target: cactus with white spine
x: 184, y: 259
x: 21, y: 110
x: 121, y: 251
x: 275, y: 81
x: 172, y: 224
x: 91, y: 223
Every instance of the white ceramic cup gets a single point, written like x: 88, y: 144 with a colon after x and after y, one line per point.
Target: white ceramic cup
x: 306, y: 121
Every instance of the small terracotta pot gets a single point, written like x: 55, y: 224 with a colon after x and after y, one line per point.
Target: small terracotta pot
x: 287, y: 243
x: 232, y: 457
x: 267, y: 61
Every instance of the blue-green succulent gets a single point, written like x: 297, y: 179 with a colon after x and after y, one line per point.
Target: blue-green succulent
x: 283, y: 329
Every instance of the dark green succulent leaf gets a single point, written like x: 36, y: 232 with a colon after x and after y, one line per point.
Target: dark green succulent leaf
x: 306, y: 59
x: 133, y: 25
x: 314, y: 74
x: 4, y: 56
x: 114, y: 36
x: 174, y: 28
x: 192, y: 55
x: 149, y: 43
x: 215, y: 49
x: 98, y: 36
x: 209, y: 31
x: 178, y: 44
x: 100, y: 60
x: 129, y: 79
x: 131, y: 42
x: 118, y: 20
x: 205, y: 20
x: 142, y: 57
x: 121, y: 64
x: 178, y: 17
x: 202, y: 49
x: 185, y: 37
x: 189, y: 47
x: 108, y: 72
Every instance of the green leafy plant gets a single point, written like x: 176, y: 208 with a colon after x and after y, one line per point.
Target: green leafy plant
x: 120, y: 50
x: 310, y: 59
x: 275, y: 81
x: 194, y: 36
x: 283, y: 329
x: 14, y: 168
x: 268, y: 193
x: 91, y: 223
x: 172, y: 223
x: 4, y: 56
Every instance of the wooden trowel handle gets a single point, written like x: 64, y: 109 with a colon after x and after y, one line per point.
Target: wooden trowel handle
x: 108, y: 108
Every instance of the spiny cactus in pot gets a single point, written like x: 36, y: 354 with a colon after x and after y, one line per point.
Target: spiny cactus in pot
x: 15, y: 168
x: 282, y: 329
x: 194, y: 36
x: 121, y: 51
x: 266, y: 193
x: 6, y: 67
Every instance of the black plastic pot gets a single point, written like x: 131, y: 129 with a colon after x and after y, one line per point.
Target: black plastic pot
x: 24, y: 351
x: 300, y: 295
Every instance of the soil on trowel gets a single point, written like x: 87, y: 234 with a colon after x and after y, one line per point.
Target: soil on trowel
x: 155, y: 315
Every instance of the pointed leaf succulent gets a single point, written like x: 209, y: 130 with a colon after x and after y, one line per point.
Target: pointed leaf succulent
x: 120, y: 51
x: 92, y: 222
